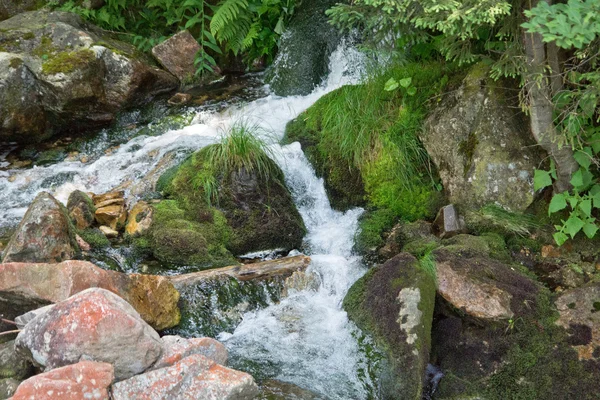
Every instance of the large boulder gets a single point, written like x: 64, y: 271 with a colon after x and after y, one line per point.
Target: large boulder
x: 94, y: 325
x: 59, y: 74
x: 194, y: 377
x: 303, y: 59
x: 84, y: 380
x: 394, y: 304
x: 81, y: 209
x: 45, y: 234
x: 24, y: 287
x: 482, y: 146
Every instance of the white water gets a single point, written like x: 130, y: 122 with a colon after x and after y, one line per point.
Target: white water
x: 306, y: 338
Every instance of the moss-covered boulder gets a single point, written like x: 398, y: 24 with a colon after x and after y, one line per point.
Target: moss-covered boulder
x: 60, y: 74
x: 482, y: 145
x: 218, y: 211
x: 303, y: 59
x: 394, y: 304
x: 81, y: 209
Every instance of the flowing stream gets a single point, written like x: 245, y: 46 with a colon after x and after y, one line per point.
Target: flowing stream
x: 306, y: 339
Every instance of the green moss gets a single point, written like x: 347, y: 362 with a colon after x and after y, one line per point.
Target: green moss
x: 46, y: 48
x: 371, y: 225
x: 67, y: 61
x: 15, y: 62
x: 94, y: 237
x: 28, y: 35
x: 467, y: 149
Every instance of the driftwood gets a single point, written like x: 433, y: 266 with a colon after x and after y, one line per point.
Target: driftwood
x: 280, y: 268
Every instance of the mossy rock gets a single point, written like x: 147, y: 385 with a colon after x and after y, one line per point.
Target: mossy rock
x: 394, y: 303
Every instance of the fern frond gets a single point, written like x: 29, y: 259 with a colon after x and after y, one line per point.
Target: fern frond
x: 227, y: 14
x: 252, y: 34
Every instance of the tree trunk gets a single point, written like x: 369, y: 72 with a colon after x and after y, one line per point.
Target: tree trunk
x: 541, y: 110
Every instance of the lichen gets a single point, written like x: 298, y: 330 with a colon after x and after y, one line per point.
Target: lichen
x: 67, y: 61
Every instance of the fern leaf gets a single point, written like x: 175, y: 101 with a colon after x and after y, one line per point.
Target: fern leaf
x: 227, y: 14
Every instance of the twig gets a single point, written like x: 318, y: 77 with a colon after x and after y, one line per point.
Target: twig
x: 6, y: 321
x: 10, y: 332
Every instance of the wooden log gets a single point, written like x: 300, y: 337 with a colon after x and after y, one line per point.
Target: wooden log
x: 280, y: 268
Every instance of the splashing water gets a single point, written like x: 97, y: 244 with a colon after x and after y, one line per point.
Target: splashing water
x: 306, y: 339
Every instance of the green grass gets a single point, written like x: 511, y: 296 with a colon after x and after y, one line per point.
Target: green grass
x: 495, y: 218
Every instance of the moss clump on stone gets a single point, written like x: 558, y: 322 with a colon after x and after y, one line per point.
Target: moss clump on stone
x: 67, y: 61
x: 94, y: 237
x: 15, y: 62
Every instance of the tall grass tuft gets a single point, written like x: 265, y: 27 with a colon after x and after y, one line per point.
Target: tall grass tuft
x: 493, y: 217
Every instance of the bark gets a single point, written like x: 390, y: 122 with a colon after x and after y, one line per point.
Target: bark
x: 541, y: 110
x: 280, y: 268
x: 553, y: 60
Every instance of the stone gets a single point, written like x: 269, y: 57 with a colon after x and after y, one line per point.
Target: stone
x: 13, y: 365
x: 11, y: 8
x: 83, y: 380
x: 26, y: 287
x: 105, y: 197
x: 59, y: 73
x: 113, y: 216
x: 140, y: 219
x: 394, y: 304
x: 108, y: 232
x: 24, y: 319
x: 448, y: 222
x: 482, y: 145
x: 302, y: 64
x: 300, y: 280
x: 81, y: 209
x: 83, y: 245
x: 177, y: 55
x: 404, y: 233
x: 481, y: 287
x: 94, y: 325
x: 273, y: 389
x: 579, y: 311
x: 110, y: 202
x: 179, y: 99
x: 194, y: 377
x: 176, y: 348
x: 45, y: 234
x: 8, y: 386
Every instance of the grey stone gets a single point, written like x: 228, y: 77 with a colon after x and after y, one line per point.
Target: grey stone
x: 448, y: 222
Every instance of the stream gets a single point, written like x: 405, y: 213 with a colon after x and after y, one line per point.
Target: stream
x: 306, y: 339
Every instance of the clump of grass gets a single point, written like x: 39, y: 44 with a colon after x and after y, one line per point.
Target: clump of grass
x: 495, y: 218
x: 427, y: 264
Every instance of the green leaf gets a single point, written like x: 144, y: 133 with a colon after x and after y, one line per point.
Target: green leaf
x: 560, y: 238
x: 279, y: 27
x: 391, y: 85
x: 411, y: 91
x: 586, y: 207
x: 581, y: 178
x: 573, y: 225
x: 558, y: 202
x: 405, y: 82
x: 583, y: 158
x: 590, y: 230
x: 541, y: 179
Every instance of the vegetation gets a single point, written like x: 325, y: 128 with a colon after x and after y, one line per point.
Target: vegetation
x: 237, y: 26
x: 556, y: 65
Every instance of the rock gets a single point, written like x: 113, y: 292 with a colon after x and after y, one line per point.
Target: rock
x: 273, y: 389
x: 579, y: 310
x: 110, y: 202
x: 179, y: 99
x: 11, y: 8
x: 302, y: 64
x: 92, y: 325
x: 113, y: 216
x: 194, y: 377
x: 481, y: 287
x: 404, y: 233
x: 176, y: 348
x: 45, y: 234
x: 81, y: 209
x: 83, y: 245
x: 394, y: 304
x: 108, y: 232
x: 139, y: 220
x: 26, y: 287
x: 105, y: 198
x: 482, y: 145
x: 59, y: 74
x: 8, y: 387
x: 13, y: 365
x: 84, y: 380
x: 448, y: 223
x: 177, y: 55
x: 24, y: 319
x: 300, y: 280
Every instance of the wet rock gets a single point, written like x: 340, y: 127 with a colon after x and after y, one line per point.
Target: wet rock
x: 177, y: 55
x: 45, y: 234
x: 139, y: 220
x: 194, y: 377
x: 176, y: 348
x: 179, y: 99
x: 81, y: 209
x: 579, y: 310
x: 300, y: 280
x: 404, y: 233
x: 13, y: 365
x: 448, y: 222
x: 8, y: 387
x: 84, y: 380
x: 273, y: 389
x: 113, y: 216
x: 61, y: 74
x: 104, y: 198
x: 482, y: 287
x: 394, y: 304
x: 25, y: 287
x: 92, y: 325
x: 482, y: 145
x: 108, y: 232
x: 302, y: 64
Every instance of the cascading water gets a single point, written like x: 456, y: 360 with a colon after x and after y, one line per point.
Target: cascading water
x: 306, y: 339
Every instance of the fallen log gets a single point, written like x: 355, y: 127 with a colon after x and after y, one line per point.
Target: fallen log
x: 280, y: 268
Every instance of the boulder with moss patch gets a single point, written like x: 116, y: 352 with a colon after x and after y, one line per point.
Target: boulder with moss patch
x: 60, y: 74
x: 482, y: 145
x: 394, y: 304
